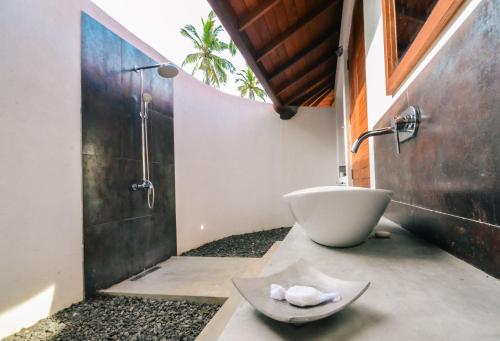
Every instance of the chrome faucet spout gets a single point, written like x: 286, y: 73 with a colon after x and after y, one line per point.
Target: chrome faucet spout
x: 367, y: 134
x: 404, y: 126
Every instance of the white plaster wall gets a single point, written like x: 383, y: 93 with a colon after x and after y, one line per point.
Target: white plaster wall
x: 234, y: 158
x: 40, y: 167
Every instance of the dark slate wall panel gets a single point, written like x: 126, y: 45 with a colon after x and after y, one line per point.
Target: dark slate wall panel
x: 122, y: 236
x: 447, y: 180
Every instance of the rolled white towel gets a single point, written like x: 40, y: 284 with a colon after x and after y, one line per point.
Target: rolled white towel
x: 302, y: 296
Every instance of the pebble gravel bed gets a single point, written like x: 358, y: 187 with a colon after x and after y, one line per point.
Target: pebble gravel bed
x: 137, y: 319
x: 253, y: 244
x: 122, y: 318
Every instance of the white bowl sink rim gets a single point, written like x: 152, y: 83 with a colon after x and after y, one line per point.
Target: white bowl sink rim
x: 321, y: 189
x: 338, y: 216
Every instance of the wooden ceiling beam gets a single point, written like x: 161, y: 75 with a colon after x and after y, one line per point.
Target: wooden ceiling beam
x: 313, y: 67
x: 327, y: 36
x: 306, y: 89
x: 310, y: 101
x: 314, y: 93
x: 257, y: 13
x: 320, y: 98
x: 332, y: 94
x: 281, y: 38
x: 227, y: 18
x: 304, y: 96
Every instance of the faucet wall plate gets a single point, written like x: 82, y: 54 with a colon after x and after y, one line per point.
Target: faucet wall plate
x: 405, y: 125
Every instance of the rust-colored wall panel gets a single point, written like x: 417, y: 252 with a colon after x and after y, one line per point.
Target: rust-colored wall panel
x: 446, y: 181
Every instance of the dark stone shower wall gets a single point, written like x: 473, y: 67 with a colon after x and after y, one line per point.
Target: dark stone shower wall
x: 122, y: 236
x: 447, y: 180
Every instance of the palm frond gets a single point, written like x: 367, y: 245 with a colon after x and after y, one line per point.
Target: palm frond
x: 192, y: 58
x: 249, y: 85
x: 208, y: 46
x: 232, y: 48
x: 189, y: 31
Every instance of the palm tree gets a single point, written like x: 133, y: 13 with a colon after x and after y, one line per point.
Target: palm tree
x: 250, y: 85
x: 209, y: 47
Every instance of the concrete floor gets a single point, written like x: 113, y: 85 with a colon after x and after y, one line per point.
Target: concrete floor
x: 196, y: 279
x: 417, y: 292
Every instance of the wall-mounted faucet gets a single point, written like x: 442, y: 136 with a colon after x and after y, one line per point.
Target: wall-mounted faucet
x: 404, y: 126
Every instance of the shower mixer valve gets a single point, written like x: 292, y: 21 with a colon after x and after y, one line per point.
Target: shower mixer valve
x: 145, y: 185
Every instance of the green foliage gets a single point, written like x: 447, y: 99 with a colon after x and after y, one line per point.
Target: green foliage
x: 207, y: 58
x: 249, y: 85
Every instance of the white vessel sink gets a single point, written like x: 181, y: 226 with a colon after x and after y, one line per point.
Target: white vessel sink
x: 338, y: 216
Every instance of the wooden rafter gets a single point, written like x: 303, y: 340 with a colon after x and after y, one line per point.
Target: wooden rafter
x: 291, y: 37
x: 307, y: 88
x: 327, y: 36
x: 318, y: 94
x: 325, y: 60
x: 321, y: 97
x: 316, y: 91
x: 281, y: 38
x: 257, y: 13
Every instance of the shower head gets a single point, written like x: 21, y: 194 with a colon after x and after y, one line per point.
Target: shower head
x: 165, y: 70
x: 147, y: 98
x: 168, y: 70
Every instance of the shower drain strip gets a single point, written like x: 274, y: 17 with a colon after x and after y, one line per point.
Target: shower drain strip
x: 144, y: 273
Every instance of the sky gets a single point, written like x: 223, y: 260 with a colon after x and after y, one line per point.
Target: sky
x: 158, y: 22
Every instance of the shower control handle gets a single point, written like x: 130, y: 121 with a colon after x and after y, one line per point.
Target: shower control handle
x: 396, y: 138
x: 144, y: 185
x: 405, y: 125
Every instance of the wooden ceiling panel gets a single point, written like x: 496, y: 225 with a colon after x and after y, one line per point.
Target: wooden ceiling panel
x: 290, y: 45
x: 314, y: 59
x: 328, y: 100
x: 296, y: 28
x: 311, y: 71
x: 300, y: 71
x: 255, y: 11
x: 302, y: 55
x: 293, y: 88
x: 309, y: 90
x: 241, y: 7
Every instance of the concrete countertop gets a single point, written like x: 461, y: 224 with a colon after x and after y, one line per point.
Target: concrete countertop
x: 417, y: 292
